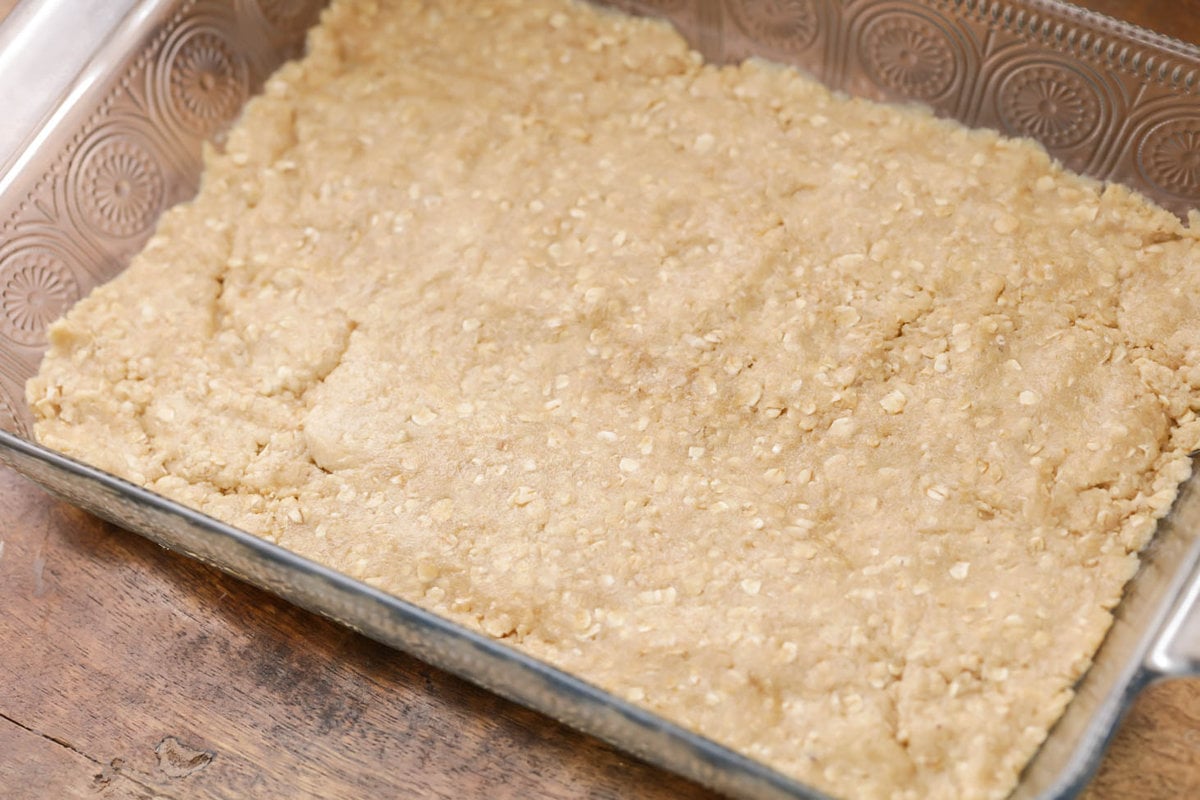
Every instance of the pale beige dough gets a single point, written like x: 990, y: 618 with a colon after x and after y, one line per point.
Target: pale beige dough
x: 824, y: 428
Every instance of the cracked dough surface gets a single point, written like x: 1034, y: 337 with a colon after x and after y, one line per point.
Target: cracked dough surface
x: 827, y: 429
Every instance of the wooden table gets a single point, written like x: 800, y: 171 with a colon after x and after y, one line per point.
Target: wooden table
x: 130, y: 672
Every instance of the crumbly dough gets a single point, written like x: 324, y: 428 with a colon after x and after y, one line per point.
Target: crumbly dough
x: 828, y: 429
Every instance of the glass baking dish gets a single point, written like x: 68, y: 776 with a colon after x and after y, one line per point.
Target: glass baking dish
x: 103, y: 128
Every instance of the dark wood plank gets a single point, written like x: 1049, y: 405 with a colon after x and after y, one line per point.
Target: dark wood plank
x: 1177, y: 18
x: 34, y: 766
x: 1157, y: 752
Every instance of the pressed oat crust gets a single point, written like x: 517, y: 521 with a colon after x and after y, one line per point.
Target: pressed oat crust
x: 827, y: 429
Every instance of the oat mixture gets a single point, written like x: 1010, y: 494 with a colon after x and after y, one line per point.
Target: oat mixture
x: 827, y: 429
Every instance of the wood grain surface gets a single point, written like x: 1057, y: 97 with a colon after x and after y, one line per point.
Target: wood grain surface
x: 127, y: 671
